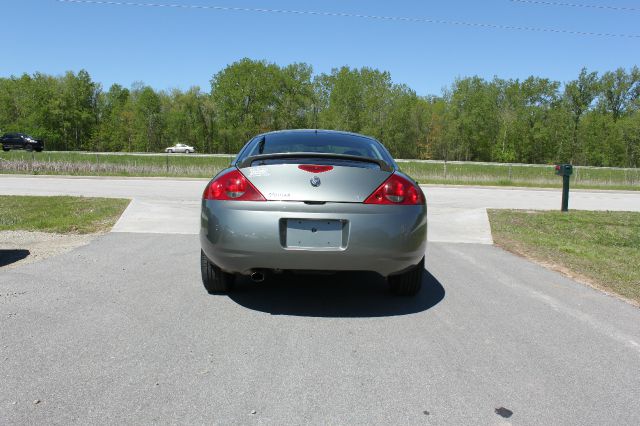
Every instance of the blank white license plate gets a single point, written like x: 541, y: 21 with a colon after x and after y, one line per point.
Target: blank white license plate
x: 306, y: 233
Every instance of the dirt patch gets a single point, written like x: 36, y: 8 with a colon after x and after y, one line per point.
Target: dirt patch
x: 21, y: 247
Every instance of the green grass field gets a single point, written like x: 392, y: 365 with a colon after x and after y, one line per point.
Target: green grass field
x: 520, y: 175
x: 603, y: 247
x: 63, y: 215
x: 201, y: 166
x: 92, y: 164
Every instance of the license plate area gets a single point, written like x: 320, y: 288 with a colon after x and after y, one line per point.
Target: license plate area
x: 315, y: 234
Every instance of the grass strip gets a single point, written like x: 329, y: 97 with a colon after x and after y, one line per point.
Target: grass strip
x: 99, y: 164
x: 204, y: 166
x: 602, y: 248
x: 60, y: 214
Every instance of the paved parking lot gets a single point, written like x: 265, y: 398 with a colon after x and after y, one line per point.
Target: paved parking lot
x: 121, y: 331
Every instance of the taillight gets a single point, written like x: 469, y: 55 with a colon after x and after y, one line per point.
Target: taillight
x: 315, y: 168
x: 396, y: 190
x: 232, y: 186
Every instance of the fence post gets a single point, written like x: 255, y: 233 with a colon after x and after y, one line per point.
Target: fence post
x: 445, y: 169
x: 509, y: 172
x: 167, y: 157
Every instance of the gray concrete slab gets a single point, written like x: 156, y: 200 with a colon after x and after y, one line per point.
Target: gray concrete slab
x: 459, y: 225
x: 122, y: 332
x: 160, y: 217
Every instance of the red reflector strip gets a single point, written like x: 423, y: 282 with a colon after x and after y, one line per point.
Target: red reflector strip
x: 314, y: 168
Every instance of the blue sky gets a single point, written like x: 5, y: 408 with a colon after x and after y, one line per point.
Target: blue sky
x: 168, y: 47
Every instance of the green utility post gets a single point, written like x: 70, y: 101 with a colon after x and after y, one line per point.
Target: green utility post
x: 565, y: 170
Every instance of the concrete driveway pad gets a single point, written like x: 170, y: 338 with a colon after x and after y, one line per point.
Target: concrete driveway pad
x: 160, y: 217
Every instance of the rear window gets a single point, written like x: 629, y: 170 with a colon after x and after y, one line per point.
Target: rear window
x: 316, y: 142
x: 319, y: 161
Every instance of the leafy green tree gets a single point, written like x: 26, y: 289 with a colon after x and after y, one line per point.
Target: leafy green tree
x: 147, y: 120
x: 431, y: 120
x: 542, y: 119
x: 579, y: 95
x: 619, y: 91
x: 474, y: 119
x: 114, y: 130
x: 295, y: 97
x: 629, y: 127
x: 245, y: 95
x: 184, y: 118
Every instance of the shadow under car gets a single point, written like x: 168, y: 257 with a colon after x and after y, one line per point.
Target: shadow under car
x: 345, y: 294
x: 7, y: 257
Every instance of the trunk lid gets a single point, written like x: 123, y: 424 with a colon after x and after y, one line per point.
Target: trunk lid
x: 342, y: 184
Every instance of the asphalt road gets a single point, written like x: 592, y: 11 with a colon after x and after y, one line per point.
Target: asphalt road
x: 121, y: 331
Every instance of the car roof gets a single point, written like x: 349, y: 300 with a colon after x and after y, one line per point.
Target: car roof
x: 298, y: 132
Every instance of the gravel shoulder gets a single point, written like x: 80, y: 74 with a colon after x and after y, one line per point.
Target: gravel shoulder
x: 22, y: 247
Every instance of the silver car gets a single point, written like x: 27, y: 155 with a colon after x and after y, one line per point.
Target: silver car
x: 180, y: 147
x: 313, y: 201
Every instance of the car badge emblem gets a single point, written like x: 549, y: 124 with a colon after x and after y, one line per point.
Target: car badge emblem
x: 315, y: 181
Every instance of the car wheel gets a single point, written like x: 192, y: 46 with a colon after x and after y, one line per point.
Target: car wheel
x: 214, y: 279
x: 5, y: 149
x: 39, y: 149
x: 407, y: 283
x: 29, y: 148
x: 170, y: 151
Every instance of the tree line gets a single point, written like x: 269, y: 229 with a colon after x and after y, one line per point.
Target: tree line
x: 592, y: 120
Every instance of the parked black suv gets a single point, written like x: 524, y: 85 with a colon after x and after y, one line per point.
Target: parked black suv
x: 20, y: 141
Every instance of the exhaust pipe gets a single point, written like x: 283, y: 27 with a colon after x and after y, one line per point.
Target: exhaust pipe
x: 257, y: 277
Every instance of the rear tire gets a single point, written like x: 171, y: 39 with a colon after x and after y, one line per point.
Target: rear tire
x: 407, y: 283
x: 215, y: 280
x: 5, y: 149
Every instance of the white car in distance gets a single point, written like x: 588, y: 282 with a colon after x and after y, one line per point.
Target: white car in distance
x: 180, y: 147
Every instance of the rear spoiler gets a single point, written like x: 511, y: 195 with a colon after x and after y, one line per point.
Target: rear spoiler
x: 248, y: 160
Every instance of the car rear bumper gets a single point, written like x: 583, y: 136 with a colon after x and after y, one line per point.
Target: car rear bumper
x: 241, y: 236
